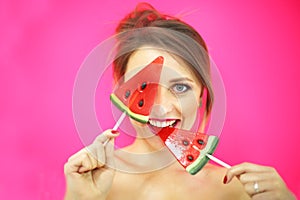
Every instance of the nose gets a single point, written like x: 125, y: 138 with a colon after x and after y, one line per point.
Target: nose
x: 163, y: 103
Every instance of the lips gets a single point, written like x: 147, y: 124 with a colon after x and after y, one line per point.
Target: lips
x: 157, y: 124
x: 162, y: 124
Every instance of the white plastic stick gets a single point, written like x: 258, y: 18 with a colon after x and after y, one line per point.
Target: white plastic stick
x: 116, y: 126
x: 220, y: 162
x: 118, y: 123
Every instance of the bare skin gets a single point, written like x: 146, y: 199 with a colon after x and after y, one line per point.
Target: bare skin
x: 90, y: 178
x: 271, y: 185
x: 91, y: 173
x: 173, y: 182
x: 87, y: 173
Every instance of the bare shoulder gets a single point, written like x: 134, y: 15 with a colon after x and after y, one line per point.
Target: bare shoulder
x: 215, y: 175
x: 174, y: 182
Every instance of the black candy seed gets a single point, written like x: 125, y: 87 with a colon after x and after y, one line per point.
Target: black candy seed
x: 143, y: 86
x: 185, y: 142
x: 201, y: 142
x: 190, y: 157
x: 141, y: 103
x: 127, y: 94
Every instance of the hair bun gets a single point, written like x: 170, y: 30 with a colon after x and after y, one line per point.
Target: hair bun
x: 142, y: 16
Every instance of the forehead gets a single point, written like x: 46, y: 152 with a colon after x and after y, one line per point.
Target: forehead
x: 173, y: 67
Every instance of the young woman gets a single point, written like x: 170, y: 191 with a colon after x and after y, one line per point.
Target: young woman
x: 92, y: 173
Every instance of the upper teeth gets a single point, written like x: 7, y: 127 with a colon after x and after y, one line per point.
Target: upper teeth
x: 161, y: 124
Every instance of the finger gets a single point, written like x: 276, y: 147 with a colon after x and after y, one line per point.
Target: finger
x: 275, y: 194
x: 82, y: 163
x: 109, y: 150
x: 106, y: 135
x: 251, y: 177
x: 77, y: 154
x: 105, y: 149
x: 96, y: 151
x: 270, y: 195
x: 104, y: 152
x: 262, y: 186
x: 108, y: 170
x: 237, y: 170
x: 87, y: 164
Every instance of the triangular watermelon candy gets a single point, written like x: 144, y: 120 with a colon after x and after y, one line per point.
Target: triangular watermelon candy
x: 189, y: 148
x: 136, y: 96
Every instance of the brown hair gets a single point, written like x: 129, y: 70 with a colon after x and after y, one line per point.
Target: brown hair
x: 166, y: 32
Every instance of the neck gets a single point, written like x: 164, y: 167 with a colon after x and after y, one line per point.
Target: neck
x: 146, y: 145
x: 146, y: 141
x: 145, y: 154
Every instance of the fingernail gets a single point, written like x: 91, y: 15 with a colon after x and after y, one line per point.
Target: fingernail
x: 225, y: 180
x: 114, y: 132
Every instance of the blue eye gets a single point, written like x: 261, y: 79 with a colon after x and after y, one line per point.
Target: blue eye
x: 180, y: 88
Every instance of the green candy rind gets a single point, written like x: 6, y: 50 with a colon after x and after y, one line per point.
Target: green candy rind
x: 199, y: 163
x: 120, y: 105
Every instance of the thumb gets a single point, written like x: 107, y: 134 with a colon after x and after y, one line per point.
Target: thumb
x: 109, y: 151
x: 107, y: 171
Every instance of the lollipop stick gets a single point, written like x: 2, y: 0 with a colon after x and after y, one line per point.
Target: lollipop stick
x: 116, y: 126
x: 220, y: 162
x: 118, y: 123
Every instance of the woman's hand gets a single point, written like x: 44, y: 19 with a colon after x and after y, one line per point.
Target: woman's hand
x: 89, y: 173
x: 260, y: 182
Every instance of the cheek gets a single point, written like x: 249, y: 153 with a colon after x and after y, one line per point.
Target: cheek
x: 188, y: 108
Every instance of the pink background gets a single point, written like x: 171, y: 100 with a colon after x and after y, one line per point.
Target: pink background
x: 43, y: 43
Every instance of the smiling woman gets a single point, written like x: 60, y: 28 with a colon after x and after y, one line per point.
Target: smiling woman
x: 148, y: 38
x: 179, y: 90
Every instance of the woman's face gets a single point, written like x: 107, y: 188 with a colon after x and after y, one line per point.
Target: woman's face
x: 178, y: 95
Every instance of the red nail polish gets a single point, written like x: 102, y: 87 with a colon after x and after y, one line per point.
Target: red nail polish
x: 114, y: 132
x: 225, y: 180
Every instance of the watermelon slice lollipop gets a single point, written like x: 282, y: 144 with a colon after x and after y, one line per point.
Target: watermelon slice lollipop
x: 189, y: 148
x: 136, y: 96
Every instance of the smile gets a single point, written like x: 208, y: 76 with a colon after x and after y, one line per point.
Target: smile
x: 163, y: 123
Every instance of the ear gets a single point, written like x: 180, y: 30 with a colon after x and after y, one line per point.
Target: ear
x: 204, y: 122
x: 200, y: 102
x: 205, y: 115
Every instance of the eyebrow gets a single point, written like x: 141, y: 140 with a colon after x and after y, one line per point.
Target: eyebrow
x: 181, y: 79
